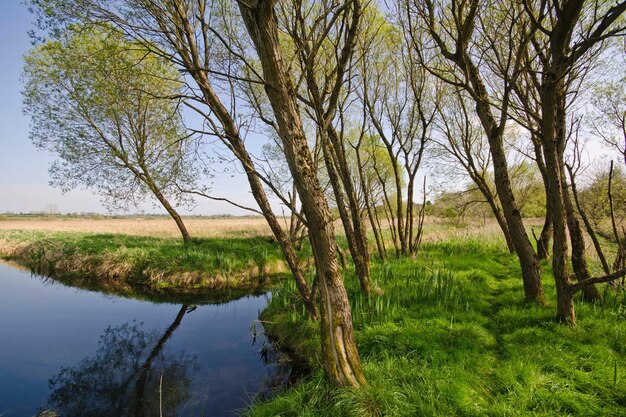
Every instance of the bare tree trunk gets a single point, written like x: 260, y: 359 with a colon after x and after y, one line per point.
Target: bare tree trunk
x: 543, y: 243
x: 579, y: 259
x: 368, y: 207
x: 340, y: 357
x: 360, y: 254
x: 172, y: 212
x: 495, y: 209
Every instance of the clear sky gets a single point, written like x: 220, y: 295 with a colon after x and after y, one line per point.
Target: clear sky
x: 24, y: 169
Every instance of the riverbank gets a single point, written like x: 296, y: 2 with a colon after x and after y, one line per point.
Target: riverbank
x: 451, y: 336
x: 125, y: 265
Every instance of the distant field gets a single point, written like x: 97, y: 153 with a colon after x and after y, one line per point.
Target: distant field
x: 143, y: 226
x: 435, y: 229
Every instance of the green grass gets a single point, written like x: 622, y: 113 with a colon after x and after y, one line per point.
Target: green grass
x: 120, y: 262
x: 451, y: 336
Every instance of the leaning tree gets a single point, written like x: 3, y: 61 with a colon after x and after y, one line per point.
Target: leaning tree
x: 99, y: 102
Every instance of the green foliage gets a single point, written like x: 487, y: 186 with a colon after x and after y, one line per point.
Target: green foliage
x: 595, y: 201
x: 450, y: 335
x: 104, y: 106
x: 527, y: 186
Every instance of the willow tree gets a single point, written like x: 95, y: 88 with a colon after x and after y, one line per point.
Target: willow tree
x: 340, y: 357
x: 323, y: 38
x: 399, y: 99
x: 98, y: 102
x: 565, y: 34
x: 481, y: 57
x: 202, y: 39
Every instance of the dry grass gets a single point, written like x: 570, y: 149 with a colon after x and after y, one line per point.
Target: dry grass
x: 141, y: 226
x: 435, y: 229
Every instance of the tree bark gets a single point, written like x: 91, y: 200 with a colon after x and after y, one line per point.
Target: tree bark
x: 549, y: 102
x: 533, y: 288
x: 361, y: 266
x: 340, y: 357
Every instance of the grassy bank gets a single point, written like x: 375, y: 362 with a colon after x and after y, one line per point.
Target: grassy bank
x: 126, y: 264
x: 451, y: 336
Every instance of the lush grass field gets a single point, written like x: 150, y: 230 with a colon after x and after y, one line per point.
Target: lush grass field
x: 451, y: 336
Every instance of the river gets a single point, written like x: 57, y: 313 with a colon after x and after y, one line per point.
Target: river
x: 84, y: 353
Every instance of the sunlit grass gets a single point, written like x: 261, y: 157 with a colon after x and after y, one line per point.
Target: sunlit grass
x: 451, y: 336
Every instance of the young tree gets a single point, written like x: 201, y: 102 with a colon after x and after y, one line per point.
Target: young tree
x: 399, y: 99
x: 99, y: 103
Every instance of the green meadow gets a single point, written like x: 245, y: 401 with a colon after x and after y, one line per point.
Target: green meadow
x: 450, y: 335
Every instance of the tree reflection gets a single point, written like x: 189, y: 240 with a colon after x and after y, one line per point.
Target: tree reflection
x: 131, y: 375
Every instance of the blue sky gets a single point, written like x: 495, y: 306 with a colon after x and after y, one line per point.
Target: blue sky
x: 24, y: 169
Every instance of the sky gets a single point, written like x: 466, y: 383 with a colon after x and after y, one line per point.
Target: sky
x: 24, y: 168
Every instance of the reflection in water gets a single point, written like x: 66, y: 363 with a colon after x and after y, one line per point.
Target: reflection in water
x: 54, y: 352
x: 131, y: 375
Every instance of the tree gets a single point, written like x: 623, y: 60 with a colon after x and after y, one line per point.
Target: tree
x: 340, y: 356
x: 189, y: 34
x: 399, y: 98
x: 324, y: 47
x: 469, y: 52
x: 100, y: 103
x: 565, y: 34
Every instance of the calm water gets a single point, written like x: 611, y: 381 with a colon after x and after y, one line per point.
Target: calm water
x: 88, y: 354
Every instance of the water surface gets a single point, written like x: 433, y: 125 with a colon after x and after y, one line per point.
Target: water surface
x: 84, y: 353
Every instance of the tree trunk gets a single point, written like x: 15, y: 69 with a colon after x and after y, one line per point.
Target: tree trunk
x: 549, y: 124
x: 173, y: 214
x: 340, y: 357
x: 529, y: 263
x: 143, y: 175
x: 361, y: 266
x: 368, y: 208
x: 543, y: 243
x: 589, y: 228
x: 533, y: 288
x: 579, y: 259
x: 361, y: 255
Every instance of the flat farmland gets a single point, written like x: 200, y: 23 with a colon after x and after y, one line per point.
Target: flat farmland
x: 142, y: 226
